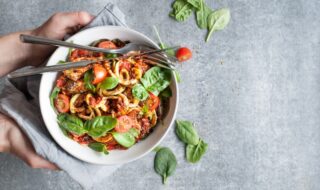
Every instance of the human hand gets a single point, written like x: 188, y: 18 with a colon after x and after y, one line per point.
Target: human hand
x: 15, y: 54
x: 14, y: 141
x: 56, y: 27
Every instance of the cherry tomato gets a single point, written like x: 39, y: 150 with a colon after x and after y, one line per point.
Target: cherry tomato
x: 107, y: 45
x: 183, y: 54
x: 61, y: 81
x: 153, y: 102
x: 100, y: 73
x: 124, y: 124
x: 62, y: 103
x: 78, y: 53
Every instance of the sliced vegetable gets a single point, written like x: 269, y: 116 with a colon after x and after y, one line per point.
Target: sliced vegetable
x: 186, y: 132
x: 54, y: 95
x: 88, y: 77
x: 153, y: 102
x: 195, y: 152
x: 139, y: 92
x: 100, y: 125
x: 126, y: 139
x: 99, y: 147
x: 124, y: 124
x: 183, y: 54
x: 217, y: 20
x: 71, y: 123
x: 99, y: 72
x: 62, y: 103
x: 165, y: 163
x: 156, y: 80
x: 109, y: 83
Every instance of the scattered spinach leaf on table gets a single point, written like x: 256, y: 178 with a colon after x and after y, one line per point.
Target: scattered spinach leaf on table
x: 181, y: 10
x: 218, y: 20
x: 165, y: 163
x: 195, y: 152
x: 186, y: 132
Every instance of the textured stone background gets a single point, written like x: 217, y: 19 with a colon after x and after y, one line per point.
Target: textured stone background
x: 253, y: 92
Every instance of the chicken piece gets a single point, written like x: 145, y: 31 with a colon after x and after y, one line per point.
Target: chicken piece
x: 77, y: 73
x: 74, y: 87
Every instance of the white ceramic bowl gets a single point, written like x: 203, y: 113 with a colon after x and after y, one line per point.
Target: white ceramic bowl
x: 82, y: 152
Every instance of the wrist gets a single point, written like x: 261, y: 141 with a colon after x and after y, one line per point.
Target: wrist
x: 5, y: 125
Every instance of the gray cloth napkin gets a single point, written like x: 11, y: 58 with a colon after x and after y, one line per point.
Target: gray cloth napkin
x: 19, y: 100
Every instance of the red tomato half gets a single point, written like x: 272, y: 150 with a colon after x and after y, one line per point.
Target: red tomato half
x: 107, y: 45
x: 62, y: 103
x: 183, y: 54
x: 79, y: 53
x: 100, y: 73
x: 153, y: 102
x: 124, y: 124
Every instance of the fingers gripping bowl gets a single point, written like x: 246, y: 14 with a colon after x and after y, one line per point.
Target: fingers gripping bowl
x: 125, y: 151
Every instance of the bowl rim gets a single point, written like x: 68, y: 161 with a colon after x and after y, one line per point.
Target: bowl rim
x: 170, y: 123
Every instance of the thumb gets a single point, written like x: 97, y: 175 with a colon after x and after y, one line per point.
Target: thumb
x: 72, y: 19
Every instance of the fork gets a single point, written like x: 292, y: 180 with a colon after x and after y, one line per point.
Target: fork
x: 153, y: 57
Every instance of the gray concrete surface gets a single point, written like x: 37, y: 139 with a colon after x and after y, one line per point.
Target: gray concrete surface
x: 253, y: 92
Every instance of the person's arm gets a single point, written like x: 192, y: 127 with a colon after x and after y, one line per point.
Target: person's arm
x: 14, y: 55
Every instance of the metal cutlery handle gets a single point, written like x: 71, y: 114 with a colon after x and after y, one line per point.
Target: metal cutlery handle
x: 53, y: 68
x: 46, y: 41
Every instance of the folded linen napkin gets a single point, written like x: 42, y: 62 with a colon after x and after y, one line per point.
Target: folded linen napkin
x: 19, y: 100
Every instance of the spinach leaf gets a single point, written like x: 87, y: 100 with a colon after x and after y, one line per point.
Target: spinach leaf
x: 181, y: 10
x: 126, y: 139
x: 217, y: 20
x: 54, y: 95
x: 88, y: 78
x: 195, y: 3
x: 166, y: 93
x: 71, y: 123
x: 186, y: 132
x: 109, y: 83
x: 99, y: 147
x: 156, y: 80
x: 165, y: 163
x: 139, y: 92
x: 100, y: 125
x: 202, y: 15
x: 195, y: 152
x: 170, y: 52
x: 177, y: 75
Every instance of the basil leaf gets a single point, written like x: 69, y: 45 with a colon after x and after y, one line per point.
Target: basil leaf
x: 165, y: 163
x: 139, y: 92
x: 110, y: 55
x: 99, y: 147
x: 61, y: 62
x: 195, y: 152
x: 202, y: 15
x: 217, y: 20
x: 88, y: 78
x: 181, y: 10
x: 166, y: 93
x: 100, y: 125
x: 71, y: 123
x: 126, y: 139
x: 156, y: 80
x: 109, y: 83
x: 53, y: 96
x: 186, y: 132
